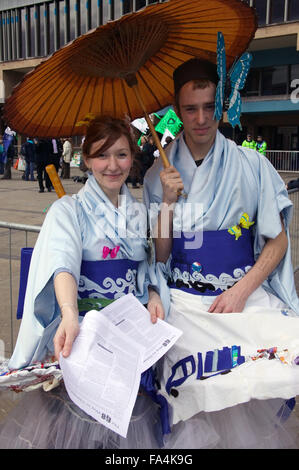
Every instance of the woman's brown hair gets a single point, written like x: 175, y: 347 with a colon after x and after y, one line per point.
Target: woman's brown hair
x: 109, y: 128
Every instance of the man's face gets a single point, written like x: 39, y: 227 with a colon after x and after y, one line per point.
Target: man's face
x: 196, y: 110
x: 249, y: 137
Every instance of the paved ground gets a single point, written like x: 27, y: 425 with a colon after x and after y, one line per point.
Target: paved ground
x: 21, y: 203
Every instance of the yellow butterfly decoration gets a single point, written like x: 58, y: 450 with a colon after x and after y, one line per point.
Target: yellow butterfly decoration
x: 236, y: 230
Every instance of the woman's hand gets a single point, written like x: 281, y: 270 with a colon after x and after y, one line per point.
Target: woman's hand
x: 66, y: 333
x: 155, y: 306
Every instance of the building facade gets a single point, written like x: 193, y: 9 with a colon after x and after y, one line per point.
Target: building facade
x: 270, y: 100
x: 32, y: 30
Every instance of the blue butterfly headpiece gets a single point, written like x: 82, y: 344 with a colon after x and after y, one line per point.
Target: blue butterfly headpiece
x: 228, y: 97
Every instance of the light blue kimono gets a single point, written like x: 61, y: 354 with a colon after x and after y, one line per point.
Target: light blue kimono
x: 78, y: 228
x: 230, y: 181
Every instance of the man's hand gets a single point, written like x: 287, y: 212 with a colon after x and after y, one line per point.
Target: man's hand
x: 229, y: 301
x: 234, y: 299
x: 172, y: 184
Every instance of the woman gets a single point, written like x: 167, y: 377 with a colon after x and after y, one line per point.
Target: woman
x: 87, y: 243
x: 67, y: 153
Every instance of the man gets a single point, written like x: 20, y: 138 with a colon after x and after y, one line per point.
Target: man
x: 261, y: 145
x: 249, y: 142
x: 43, y: 152
x: 56, y: 153
x: 30, y: 158
x: 8, y: 152
x: 221, y: 247
x: 195, y: 103
x: 1, y: 157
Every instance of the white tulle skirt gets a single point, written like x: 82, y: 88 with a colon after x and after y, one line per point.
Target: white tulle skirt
x: 258, y: 424
x: 50, y: 420
x: 242, y: 406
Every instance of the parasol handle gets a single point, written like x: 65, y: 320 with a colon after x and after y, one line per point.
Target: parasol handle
x: 151, y: 127
x: 55, y: 180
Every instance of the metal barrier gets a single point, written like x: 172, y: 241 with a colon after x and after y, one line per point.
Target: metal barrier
x: 294, y: 228
x: 10, y: 279
x: 284, y: 160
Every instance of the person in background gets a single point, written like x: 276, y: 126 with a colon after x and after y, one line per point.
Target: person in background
x: 293, y: 184
x: 43, y: 151
x: 1, y: 157
x: 249, y: 142
x: 30, y: 158
x: 56, y: 153
x: 8, y: 152
x: 67, y: 153
x: 148, y: 149
x: 261, y: 145
x: 168, y: 141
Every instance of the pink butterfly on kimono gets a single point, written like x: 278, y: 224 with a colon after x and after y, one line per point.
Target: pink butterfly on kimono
x: 113, y: 252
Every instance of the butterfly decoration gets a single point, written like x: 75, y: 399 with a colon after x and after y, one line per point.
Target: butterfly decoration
x: 113, y: 252
x: 228, y: 97
x: 245, y: 222
x: 236, y: 230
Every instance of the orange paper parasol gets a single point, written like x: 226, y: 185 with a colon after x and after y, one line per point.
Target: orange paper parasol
x: 125, y: 67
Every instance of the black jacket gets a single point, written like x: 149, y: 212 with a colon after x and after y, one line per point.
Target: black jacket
x: 29, y: 150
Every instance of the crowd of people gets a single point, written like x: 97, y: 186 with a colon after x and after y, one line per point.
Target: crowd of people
x: 229, y: 287
x: 36, y: 154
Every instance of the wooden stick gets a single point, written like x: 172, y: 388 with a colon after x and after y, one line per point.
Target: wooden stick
x: 55, y: 180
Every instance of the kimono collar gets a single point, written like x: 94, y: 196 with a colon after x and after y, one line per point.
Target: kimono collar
x: 125, y: 225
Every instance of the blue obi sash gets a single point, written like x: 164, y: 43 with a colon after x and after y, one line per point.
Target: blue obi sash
x: 100, y: 281
x: 218, y: 264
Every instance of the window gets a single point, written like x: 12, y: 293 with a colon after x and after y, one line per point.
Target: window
x: 277, y: 11
x: 26, y: 29
x: 252, y: 87
x: 62, y: 32
x: 35, y: 30
x: 51, y: 23
x: 261, y: 10
x: 274, y: 80
x: 83, y: 16
x: 268, y: 81
x: 294, y: 71
x: 294, y: 75
x: 140, y: 4
x: 72, y: 13
x: 127, y: 6
x: 293, y: 10
x: 95, y: 6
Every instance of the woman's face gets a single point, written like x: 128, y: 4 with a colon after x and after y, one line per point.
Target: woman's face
x: 111, y: 167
